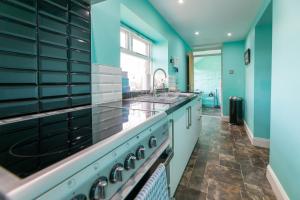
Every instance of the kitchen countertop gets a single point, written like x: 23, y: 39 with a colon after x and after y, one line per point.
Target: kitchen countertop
x: 34, y: 147
x: 152, y: 112
x: 151, y: 106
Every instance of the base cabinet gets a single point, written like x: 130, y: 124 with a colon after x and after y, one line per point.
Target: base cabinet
x: 184, y: 131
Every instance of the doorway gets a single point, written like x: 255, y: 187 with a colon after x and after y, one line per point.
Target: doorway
x: 207, y: 80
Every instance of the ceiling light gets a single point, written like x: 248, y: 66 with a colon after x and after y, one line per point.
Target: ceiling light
x: 197, y: 33
x: 180, y: 1
x: 229, y: 34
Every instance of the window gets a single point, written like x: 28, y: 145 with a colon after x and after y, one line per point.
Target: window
x: 140, y: 46
x: 123, y: 39
x: 136, y: 60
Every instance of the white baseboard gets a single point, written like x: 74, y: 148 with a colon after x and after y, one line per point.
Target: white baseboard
x: 256, y: 141
x: 276, y: 185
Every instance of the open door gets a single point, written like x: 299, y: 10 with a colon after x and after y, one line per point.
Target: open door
x: 190, y: 73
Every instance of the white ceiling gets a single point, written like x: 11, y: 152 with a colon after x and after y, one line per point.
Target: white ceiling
x: 212, y: 18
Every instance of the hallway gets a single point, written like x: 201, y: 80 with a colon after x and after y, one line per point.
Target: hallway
x: 224, y: 165
x: 211, y: 111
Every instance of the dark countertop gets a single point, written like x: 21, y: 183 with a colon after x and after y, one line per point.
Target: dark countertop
x: 32, y: 145
x: 151, y: 106
x: 51, y: 137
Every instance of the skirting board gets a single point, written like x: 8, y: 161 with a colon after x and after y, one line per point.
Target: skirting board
x: 276, y: 185
x: 259, y: 142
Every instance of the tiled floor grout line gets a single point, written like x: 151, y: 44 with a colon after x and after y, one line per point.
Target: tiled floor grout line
x: 241, y: 162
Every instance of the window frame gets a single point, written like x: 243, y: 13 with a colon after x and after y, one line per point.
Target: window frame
x: 126, y: 39
x: 130, y: 35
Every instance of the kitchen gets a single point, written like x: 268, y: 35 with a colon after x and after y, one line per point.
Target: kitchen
x: 99, y: 101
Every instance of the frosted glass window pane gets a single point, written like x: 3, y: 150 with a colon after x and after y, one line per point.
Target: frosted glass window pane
x: 139, y: 46
x: 138, y: 71
x: 123, y: 39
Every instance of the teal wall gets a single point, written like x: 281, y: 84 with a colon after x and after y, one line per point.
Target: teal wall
x: 258, y: 75
x: 262, y: 82
x: 143, y: 17
x: 285, y: 109
x: 160, y: 46
x: 207, y: 78
x: 232, y: 84
x: 105, y: 18
x: 155, y: 27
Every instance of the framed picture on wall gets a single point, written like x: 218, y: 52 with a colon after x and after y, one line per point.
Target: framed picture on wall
x: 247, y: 57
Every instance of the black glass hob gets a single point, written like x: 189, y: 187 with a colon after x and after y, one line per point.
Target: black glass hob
x: 29, y: 146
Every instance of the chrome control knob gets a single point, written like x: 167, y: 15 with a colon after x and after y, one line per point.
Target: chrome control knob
x: 152, y: 142
x: 116, y: 173
x: 140, y: 153
x: 130, y: 162
x: 98, y: 189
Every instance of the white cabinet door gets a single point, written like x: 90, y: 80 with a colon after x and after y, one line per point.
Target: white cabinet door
x: 197, y: 116
x: 186, y: 127
x: 194, y: 122
x: 181, y: 147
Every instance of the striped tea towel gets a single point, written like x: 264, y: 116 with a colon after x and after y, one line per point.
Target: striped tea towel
x: 156, y: 187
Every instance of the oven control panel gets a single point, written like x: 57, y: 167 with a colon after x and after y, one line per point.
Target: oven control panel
x: 103, y: 178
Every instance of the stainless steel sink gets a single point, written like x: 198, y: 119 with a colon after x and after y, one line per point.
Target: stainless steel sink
x: 166, y: 98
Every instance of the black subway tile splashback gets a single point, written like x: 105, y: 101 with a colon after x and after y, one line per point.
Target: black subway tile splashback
x: 45, y: 56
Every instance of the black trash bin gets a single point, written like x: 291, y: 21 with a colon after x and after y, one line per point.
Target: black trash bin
x: 236, y: 110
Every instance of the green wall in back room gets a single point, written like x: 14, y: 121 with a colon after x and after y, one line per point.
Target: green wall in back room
x: 232, y: 84
x: 105, y: 18
x: 285, y: 98
x: 207, y: 78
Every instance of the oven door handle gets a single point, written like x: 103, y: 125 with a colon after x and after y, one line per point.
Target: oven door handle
x: 170, y: 153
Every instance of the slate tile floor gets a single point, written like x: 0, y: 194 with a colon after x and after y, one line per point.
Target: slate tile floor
x: 225, y: 166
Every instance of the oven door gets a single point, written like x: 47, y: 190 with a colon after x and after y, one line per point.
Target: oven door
x: 135, y: 184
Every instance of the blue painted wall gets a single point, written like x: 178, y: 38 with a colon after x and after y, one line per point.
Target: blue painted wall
x: 258, y: 75
x: 285, y: 109
x: 105, y: 18
x: 262, y: 81
x: 163, y: 34
x: 232, y: 84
